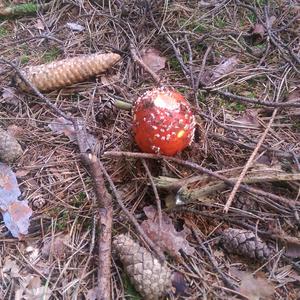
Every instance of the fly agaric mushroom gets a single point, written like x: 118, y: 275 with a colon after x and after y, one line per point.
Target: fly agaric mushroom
x: 163, y: 122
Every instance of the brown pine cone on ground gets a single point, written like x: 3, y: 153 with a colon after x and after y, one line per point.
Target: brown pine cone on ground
x: 245, y: 243
x: 150, y: 278
x: 59, y: 74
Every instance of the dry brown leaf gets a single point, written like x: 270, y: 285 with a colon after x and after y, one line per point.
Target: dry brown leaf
x: 225, y: 67
x: 31, y: 288
x: 292, y: 249
x: 11, y: 268
x: 92, y: 294
x: 9, y: 96
x: 56, y: 247
x: 248, y: 119
x: 153, y: 59
x: 16, y: 131
x: 39, y: 25
x: 62, y: 126
x: 180, y: 284
x: 16, y: 214
x: 22, y: 173
x: 17, y: 218
x: 258, y: 30
x: 168, y: 239
x: 255, y: 288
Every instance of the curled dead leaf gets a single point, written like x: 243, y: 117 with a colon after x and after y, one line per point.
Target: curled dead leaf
x: 153, y: 59
x: 166, y: 237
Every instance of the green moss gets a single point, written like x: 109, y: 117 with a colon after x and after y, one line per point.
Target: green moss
x: 260, y: 46
x: 200, y: 48
x: 219, y: 22
x: 190, y: 25
x: 24, y: 59
x: 174, y: 64
x: 201, y: 98
x: 182, y: 90
x: 24, y: 9
x: 252, y: 17
x: 3, y: 32
x: 185, y: 57
x: 62, y: 222
x: 199, y: 28
x: 50, y: 55
x: 79, y: 199
x: 296, y: 126
x: 236, y: 106
x: 250, y: 95
x: 261, y: 2
x: 240, y: 107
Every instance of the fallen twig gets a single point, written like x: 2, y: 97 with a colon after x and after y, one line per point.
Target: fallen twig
x: 256, y: 101
x: 103, y: 197
x: 289, y: 202
x: 131, y: 217
x: 208, y: 188
x: 139, y: 61
x: 249, y: 163
x: 158, y: 203
x: 225, y: 278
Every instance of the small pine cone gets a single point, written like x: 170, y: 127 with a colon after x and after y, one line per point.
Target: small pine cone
x: 150, y: 278
x: 106, y: 110
x: 10, y: 149
x: 245, y: 243
x: 65, y: 72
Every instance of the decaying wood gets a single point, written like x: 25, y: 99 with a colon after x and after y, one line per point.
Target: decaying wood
x: 207, y: 187
x: 288, y: 202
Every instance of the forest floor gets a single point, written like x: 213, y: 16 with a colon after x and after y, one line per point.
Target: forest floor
x: 237, y: 63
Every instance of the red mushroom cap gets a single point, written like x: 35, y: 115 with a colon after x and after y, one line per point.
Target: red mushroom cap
x: 163, y: 122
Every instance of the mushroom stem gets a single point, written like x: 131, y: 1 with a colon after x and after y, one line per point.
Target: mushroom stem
x: 123, y: 105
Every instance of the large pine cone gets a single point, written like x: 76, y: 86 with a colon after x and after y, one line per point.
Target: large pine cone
x: 150, y: 278
x: 10, y: 149
x: 245, y: 243
x: 59, y: 74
